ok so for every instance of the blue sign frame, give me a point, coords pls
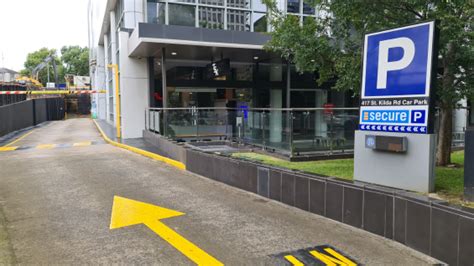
(398, 62)
(398, 79)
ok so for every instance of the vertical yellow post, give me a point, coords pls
(117, 99)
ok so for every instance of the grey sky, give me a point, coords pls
(28, 25)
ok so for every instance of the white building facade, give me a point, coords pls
(164, 50)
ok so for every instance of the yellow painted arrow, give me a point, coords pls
(126, 212)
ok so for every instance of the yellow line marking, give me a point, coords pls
(127, 212)
(5, 148)
(324, 258)
(20, 138)
(340, 257)
(82, 144)
(293, 260)
(148, 154)
(45, 146)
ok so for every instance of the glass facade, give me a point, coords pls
(238, 15)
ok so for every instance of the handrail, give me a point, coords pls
(250, 109)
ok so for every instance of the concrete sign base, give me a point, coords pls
(412, 170)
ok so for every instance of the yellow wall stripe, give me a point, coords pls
(148, 154)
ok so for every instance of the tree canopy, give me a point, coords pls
(75, 60)
(331, 44)
(37, 57)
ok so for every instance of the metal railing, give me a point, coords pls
(292, 131)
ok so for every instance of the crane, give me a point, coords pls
(49, 58)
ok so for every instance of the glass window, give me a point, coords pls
(308, 8)
(238, 3)
(211, 18)
(293, 6)
(259, 21)
(238, 20)
(212, 2)
(156, 12)
(243, 72)
(257, 5)
(182, 15)
(182, 1)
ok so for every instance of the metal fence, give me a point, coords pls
(293, 131)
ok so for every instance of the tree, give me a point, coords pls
(35, 58)
(331, 45)
(75, 60)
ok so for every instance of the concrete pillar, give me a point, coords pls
(468, 166)
(134, 90)
(276, 116)
(276, 101)
(100, 84)
(109, 92)
(163, 78)
(321, 126)
(133, 12)
(113, 45)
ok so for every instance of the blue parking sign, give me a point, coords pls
(397, 62)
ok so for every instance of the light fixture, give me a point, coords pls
(255, 57)
(174, 53)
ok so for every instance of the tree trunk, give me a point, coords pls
(443, 155)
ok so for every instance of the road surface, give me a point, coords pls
(55, 208)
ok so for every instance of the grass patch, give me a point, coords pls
(449, 183)
(336, 168)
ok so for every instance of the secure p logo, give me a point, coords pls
(397, 62)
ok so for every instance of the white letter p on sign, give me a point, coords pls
(384, 66)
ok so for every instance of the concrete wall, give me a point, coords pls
(134, 91)
(166, 147)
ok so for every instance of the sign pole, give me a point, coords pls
(469, 167)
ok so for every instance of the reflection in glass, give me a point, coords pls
(238, 3)
(211, 18)
(212, 2)
(182, 1)
(307, 8)
(156, 12)
(293, 6)
(238, 20)
(259, 21)
(182, 15)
